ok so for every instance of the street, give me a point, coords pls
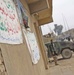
(65, 67)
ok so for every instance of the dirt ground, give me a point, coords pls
(65, 67)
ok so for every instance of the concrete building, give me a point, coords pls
(16, 58)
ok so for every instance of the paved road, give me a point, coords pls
(65, 67)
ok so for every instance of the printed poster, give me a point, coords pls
(10, 30)
(32, 46)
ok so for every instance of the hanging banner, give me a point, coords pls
(32, 46)
(10, 30)
(18, 8)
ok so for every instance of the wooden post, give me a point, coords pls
(41, 44)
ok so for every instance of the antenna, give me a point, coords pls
(65, 21)
(50, 29)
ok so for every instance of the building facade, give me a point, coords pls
(17, 59)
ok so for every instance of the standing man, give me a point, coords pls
(53, 52)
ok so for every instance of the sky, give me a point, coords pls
(63, 14)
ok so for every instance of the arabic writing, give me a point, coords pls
(32, 46)
(9, 24)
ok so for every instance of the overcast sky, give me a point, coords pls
(63, 13)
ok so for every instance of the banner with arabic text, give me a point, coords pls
(32, 46)
(10, 30)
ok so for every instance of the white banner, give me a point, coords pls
(32, 46)
(10, 30)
